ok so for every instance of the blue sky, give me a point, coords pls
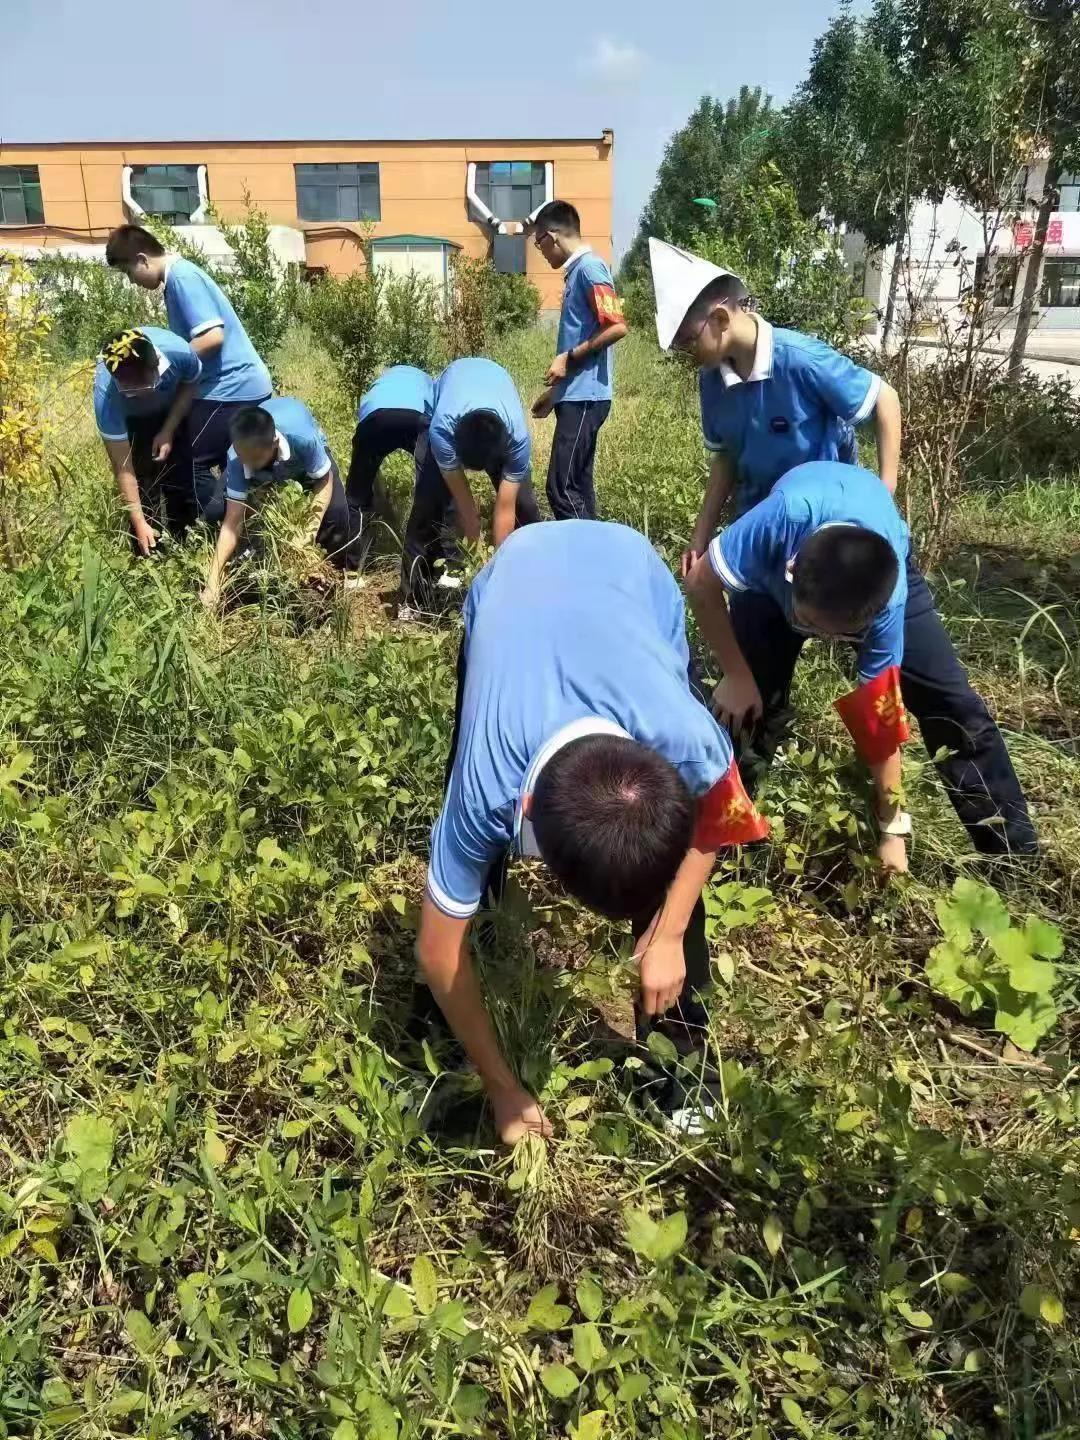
(260, 69)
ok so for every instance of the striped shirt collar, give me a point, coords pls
(569, 264)
(762, 367)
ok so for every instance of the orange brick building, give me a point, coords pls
(418, 199)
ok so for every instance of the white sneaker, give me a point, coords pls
(448, 582)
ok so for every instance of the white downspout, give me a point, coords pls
(133, 206)
(198, 215)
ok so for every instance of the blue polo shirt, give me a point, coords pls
(402, 387)
(571, 629)
(301, 452)
(757, 551)
(177, 363)
(478, 384)
(589, 302)
(799, 404)
(194, 304)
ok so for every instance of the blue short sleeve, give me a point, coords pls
(845, 389)
(236, 482)
(745, 555)
(442, 447)
(195, 303)
(108, 407)
(710, 397)
(519, 461)
(461, 856)
(187, 365)
(314, 456)
(883, 644)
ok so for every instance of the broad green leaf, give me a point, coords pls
(918, 1318)
(974, 1361)
(590, 1299)
(216, 1151)
(425, 1285)
(88, 1139)
(470, 1402)
(953, 1283)
(802, 1217)
(382, 1419)
(1032, 976)
(545, 1313)
(670, 1237)
(773, 1231)
(981, 906)
(641, 1231)
(801, 1360)
(632, 1388)
(590, 1426)
(1038, 1303)
(851, 1120)
(589, 1350)
(1024, 1018)
(125, 1402)
(793, 1414)
(398, 1304)
(1044, 939)
(143, 1335)
(725, 965)
(299, 1309)
(557, 1380)
(345, 1430)
(662, 1048)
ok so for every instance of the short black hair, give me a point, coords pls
(252, 424)
(558, 215)
(724, 290)
(128, 354)
(846, 572)
(128, 242)
(481, 440)
(613, 821)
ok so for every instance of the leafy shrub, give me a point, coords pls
(343, 313)
(411, 318)
(86, 302)
(255, 283)
(484, 304)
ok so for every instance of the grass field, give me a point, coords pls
(235, 1199)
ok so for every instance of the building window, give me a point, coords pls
(349, 191)
(1061, 283)
(511, 189)
(20, 195)
(1069, 185)
(168, 191)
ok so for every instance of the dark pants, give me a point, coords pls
(570, 489)
(686, 1021)
(208, 426)
(342, 532)
(377, 436)
(429, 534)
(165, 488)
(977, 773)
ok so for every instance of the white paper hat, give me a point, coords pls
(678, 279)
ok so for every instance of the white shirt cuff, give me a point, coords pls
(205, 325)
(721, 568)
(456, 909)
(869, 401)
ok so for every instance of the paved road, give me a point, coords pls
(1044, 369)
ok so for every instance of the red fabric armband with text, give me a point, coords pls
(875, 716)
(607, 305)
(727, 816)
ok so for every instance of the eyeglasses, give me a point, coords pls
(686, 343)
(540, 238)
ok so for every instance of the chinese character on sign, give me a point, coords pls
(1054, 232)
(1022, 234)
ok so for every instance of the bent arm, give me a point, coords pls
(708, 601)
(888, 427)
(444, 959)
(467, 514)
(120, 458)
(320, 503)
(209, 342)
(182, 403)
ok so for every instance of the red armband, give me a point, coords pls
(727, 816)
(607, 305)
(875, 716)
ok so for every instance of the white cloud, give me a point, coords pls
(615, 60)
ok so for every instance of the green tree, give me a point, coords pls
(847, 140)
(256, 281)
(709, 157)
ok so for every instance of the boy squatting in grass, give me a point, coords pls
(577, 738)
(233, 377)
(826, 553)
(578, 382)
(144, 386)
(392, 415)
(477, 423)
(272, 443)
(771, 399)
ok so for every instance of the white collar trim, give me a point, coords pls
(283, 453)
(524, 837)
(574, 258)
(762, 367)
(170, 261)
(163, 362)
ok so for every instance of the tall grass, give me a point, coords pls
(237, 1198)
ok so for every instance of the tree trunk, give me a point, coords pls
(894, 284)
(1034, 269)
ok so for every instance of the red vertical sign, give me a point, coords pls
(1055, 232)
(1022, 234)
